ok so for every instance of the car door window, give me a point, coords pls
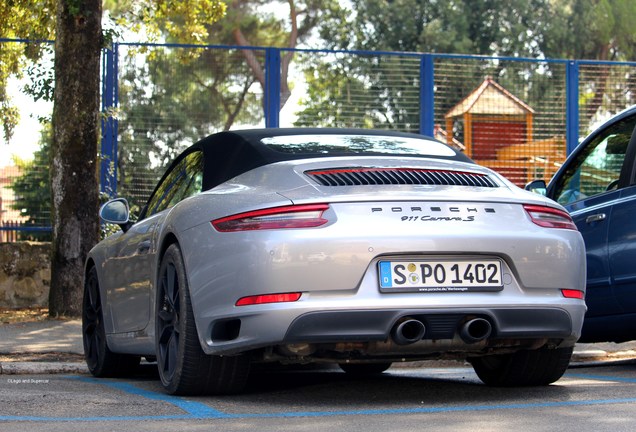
(185, 180)
(597, 168)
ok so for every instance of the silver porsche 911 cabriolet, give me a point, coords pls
(353, 247)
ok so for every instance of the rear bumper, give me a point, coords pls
(361, 326)
(508, 326)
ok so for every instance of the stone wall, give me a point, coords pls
(25, 274)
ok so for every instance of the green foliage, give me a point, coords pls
(594, 29)
(162, 114)
(364, 91)
(41, 82)
(32, 189)
(178, 96)
(183, 21)
(591, 29)
(385, 89)
(74, 7)
(492, 27)
(330, 111)
(25, 19)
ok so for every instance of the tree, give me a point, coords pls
(380, 90)
(514, 28)
(213, 82)
(160, 115)
(76, 125)
(487, 27)
(606, 29)
(248, 28)
(76, 130)
(76, 119)
(216, 89)
(594, 30)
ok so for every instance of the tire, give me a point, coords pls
(101, 361)
(184, 368)
(523, 368)
(364, 368)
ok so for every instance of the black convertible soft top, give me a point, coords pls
(228, 154)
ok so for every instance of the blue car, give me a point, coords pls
(597, 185)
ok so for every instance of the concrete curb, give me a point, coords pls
(52, 367)
(42, 368)
(591, 355)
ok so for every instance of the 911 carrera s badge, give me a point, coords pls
(436, 213)
(428, 218)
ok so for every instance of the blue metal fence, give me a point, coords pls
(566, 108)
(420, 92)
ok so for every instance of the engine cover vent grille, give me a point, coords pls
(399, 176)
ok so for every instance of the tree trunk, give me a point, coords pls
(76, 130)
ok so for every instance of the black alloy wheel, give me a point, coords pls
(101, 361)
(184, 368)
(168, 328)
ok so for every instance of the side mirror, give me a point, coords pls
(116, 212)
(537, 186)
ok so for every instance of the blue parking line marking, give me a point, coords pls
(419, 410)
(196, 411)
(602, 378)
(192, 408)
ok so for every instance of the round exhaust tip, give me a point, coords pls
(408, 331)
(475, 330)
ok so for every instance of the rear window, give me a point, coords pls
(357, 144)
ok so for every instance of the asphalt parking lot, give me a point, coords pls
(591, 396)
(596, 394)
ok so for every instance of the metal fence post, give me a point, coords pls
(108, 166)
(572, 106)
(272, 87)
(427, 95)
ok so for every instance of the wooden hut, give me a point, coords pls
(493, 118)
(498, 133)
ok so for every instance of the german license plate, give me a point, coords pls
(441, 276)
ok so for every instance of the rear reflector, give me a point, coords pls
(549, 217)
(299, 216)
(268, 298)
(575, 294)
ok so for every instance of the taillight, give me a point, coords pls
(268, 298)
(299, 216)
(549, 217)
(575, 294)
